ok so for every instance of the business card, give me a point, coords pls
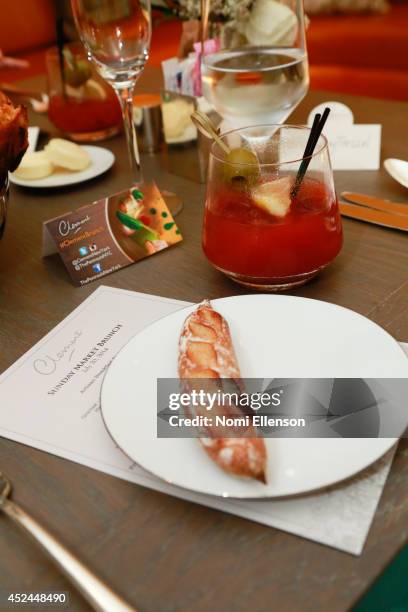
(111, 233)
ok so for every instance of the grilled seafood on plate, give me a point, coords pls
(206, 352)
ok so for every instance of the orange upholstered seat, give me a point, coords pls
(360, 54)
(26, 25)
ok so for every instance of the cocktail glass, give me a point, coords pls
(82, 105)
(256, 230)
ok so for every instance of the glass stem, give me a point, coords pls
(125, 96)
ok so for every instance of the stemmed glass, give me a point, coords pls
(116, 35)
(261, 72)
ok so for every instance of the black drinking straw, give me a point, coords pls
(315, 132)
(59, 27)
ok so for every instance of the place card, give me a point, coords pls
(111, 233)
(352, 146)
(54, 390)
(33, 136)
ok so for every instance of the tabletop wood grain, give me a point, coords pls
(161, 553)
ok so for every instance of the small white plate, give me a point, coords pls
(101, 160)
(274, 336)
(398, 169)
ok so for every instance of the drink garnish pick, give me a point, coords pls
(315, 132)
(204, 124)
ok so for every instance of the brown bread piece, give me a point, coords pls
(13, 134)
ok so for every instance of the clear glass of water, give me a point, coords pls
(261, 72)
(116, 35)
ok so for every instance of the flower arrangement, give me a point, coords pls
(220, 10)
(238, 22)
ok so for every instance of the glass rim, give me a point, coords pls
(280, 126)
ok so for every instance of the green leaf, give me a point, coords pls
(137, 194)
(137, 225)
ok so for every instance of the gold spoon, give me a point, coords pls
(206, 127)
(96, 592)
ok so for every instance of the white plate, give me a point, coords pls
(398, 169)
(274, 336)
(102, 160)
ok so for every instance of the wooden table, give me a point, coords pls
(162, 553)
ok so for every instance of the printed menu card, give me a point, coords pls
(54, 393)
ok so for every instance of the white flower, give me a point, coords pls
(222, 10)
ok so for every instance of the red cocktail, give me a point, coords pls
(86, 119)
(256, 230)
(82, 105)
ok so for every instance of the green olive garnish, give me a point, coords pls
(75, 77)
(77, 71)
(241, 165)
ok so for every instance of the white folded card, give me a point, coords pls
(352, 146)
(44, 407)
(33, 135)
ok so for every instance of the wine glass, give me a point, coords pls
(260, 74)
(116, 35)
